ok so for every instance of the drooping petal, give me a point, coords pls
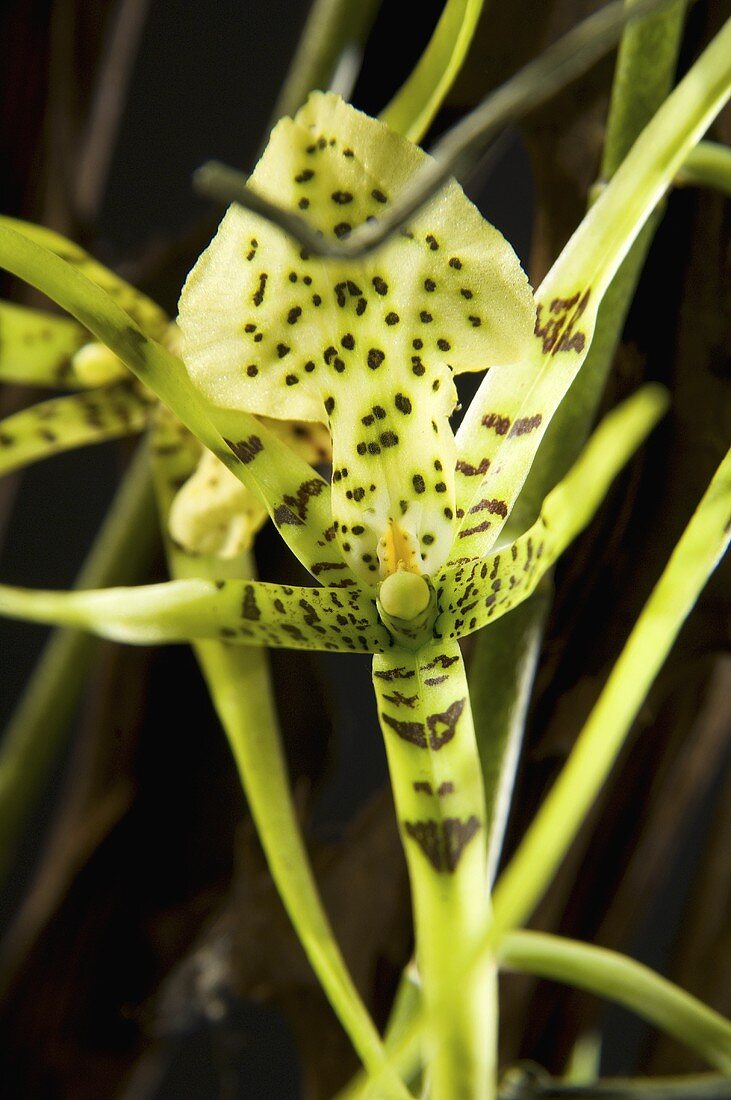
(238, 612)
(367, 347)
(64, 423)
(37, 348)
(214, 513)
(474, 593)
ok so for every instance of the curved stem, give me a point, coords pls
(425, 715)
(708, 165)
(626, 982)
(413, 108)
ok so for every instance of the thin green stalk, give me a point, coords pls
(626, 982)
(520, 1085)
(334, 28)
(709, 165)
(424, 710)
(240, 688)
(35, 735)
(561, 815)
(414, 106)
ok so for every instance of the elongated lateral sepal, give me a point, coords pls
(77, 420)
(474, 593)
(238, 612)
(424, 711)
(505, 423)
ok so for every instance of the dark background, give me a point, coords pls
(140, 859)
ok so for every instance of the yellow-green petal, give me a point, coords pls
(369, 346)
(37, 348)
(473, 594)
(64, 423)
(238, 612)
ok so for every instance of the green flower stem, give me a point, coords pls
(425, 716)
(238, 681)
(529, 872)
(64, 423)
(240, 688)
(707, 1086)
(36, 731)
(599, 743)
(332, 28)
(626, 982)
(708, 165)
(646, 61)
(414, 106)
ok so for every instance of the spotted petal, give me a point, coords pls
(37, 348)
(366, 346)
(239, 612)
(473, 593)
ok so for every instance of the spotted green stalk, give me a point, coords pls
(63, 423)
(37, 348)
(424, 711)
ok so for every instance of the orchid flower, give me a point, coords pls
(404, 541)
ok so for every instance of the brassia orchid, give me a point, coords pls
(290, 360)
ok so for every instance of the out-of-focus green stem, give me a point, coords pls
(34, 737)
(623, 981)
(239, 683)
(333, 28)
(413, 108)
(709, 165)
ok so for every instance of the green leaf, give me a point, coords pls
(505, 423)
(37, 348)
(511, 574)
(238, 612)
(64, 423)
(414, 106)
(289, 487)
(365, 347)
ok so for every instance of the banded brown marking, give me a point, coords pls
(443, 842)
